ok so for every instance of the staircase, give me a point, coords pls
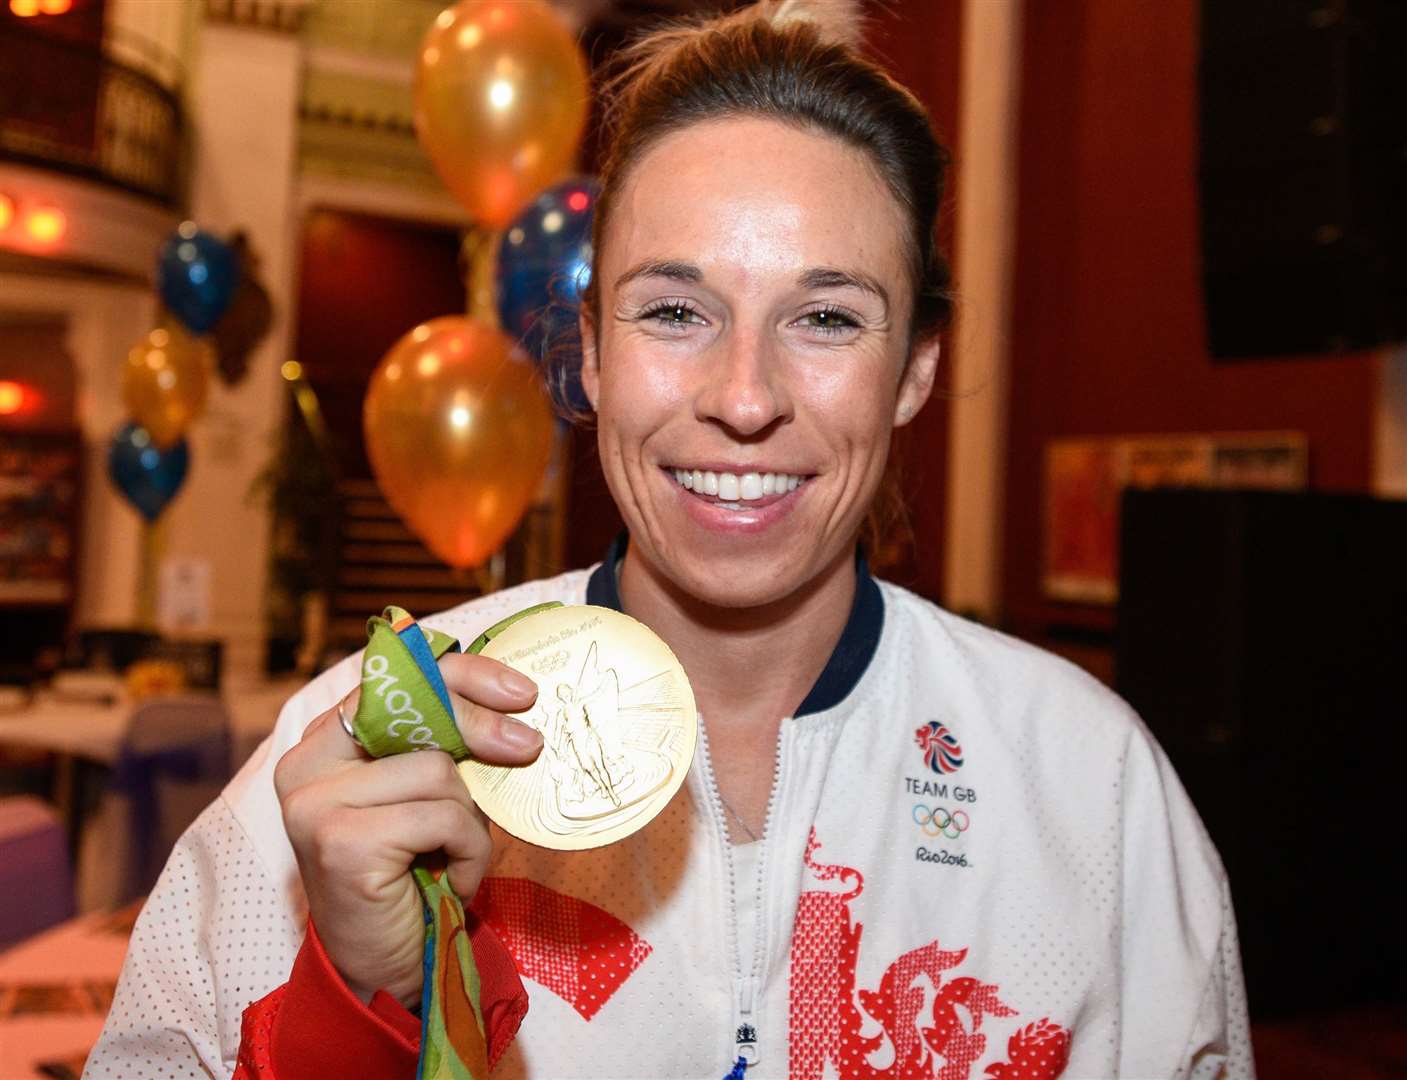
(380, 562)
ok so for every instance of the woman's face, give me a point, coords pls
(754, 325)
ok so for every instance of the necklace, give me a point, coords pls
(731, 812)
(736, 816)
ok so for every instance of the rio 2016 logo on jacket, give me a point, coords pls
(941, 751)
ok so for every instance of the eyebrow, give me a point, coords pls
(830, 277)
(818, 277)
(666, 268)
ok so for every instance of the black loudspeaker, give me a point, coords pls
(1303, 172)
(1263, 637)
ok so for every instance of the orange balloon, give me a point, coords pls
(459, 434)
(164, 383)
(501, 95)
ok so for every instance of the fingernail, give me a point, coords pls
(515, 682)
(519, 735)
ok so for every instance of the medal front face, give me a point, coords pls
(618, 725)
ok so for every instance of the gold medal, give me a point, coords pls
(618, 725)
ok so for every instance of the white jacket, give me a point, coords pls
(977, 864)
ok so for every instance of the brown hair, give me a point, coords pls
(796, 63)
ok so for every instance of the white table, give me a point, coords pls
(95, 731)
(83, 731)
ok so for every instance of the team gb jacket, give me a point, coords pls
(977, 865)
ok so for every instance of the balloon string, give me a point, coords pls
(153, 535)
(481, 279)
(493, 575)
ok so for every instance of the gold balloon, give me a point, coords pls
(164, 382)
(458, 432)
(500, 101)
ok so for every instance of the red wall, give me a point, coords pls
(920, 41)
(1108, 333)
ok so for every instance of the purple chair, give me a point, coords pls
(36, 879)
(173, 763)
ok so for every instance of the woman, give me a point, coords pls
(909, 846)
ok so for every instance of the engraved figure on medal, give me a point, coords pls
(587, 717)
(605, 758)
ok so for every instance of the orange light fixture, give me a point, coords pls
(7, 211)
(55, 7)
(12, 397)
(25, 8)
(45, 224)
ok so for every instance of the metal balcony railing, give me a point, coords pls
(66, 105)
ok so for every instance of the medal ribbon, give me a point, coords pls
(406, 706)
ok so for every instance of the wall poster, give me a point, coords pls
(1084, 480)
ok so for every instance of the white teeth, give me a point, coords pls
(734, 489)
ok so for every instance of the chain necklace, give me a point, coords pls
(735, 815)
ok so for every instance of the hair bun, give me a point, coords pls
(837, 21)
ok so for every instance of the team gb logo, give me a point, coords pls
(941, 751)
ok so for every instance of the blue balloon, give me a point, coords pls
(196, 275)
(147, 476)
(544, 264)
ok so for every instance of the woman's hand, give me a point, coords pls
(356, 823)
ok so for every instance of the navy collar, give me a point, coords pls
(848, 661)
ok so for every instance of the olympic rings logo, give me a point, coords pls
(938, 822)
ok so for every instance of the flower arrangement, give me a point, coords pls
(152, 678)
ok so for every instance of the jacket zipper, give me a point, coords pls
(743, 1037)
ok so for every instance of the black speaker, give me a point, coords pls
(1263, 637)
(1303, 175)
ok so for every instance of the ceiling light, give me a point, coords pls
(12, 397)
(45, 224)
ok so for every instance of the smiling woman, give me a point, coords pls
(739, 330)
(764, 311)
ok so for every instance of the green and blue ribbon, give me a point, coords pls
(405, 706)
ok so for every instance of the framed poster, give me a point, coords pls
(1084, 480)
